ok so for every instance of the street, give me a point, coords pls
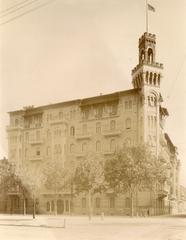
(80, 228)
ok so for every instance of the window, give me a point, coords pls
(72, 148)
(98, 202)
(52, 206)
(72, 131)
(150, 55)
(16, 122)
(84, 203)
(26, 152)
(27, 137)
(48, 135)
(127, 202)
(130, 104)
(98, 127)
(38, 153)
(84, 147)
(84, 128)
(128, 123)
(48, 206)
(112, 145)
(60, 115)
(98, 146)
(113, 125)
(67, 206)
(38, 135)
(126, 105)
(48, 151)
(113, 109)
(112, 202)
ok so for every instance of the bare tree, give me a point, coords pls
(132, 169)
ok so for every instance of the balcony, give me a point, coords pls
(111, 133)
(80, 154)
(107, 153)
(36, 141)
(83, 136)
(14, 128)
(36, 158)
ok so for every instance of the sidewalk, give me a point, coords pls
(28, 221)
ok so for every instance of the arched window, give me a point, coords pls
(128, 123)
(112, 125)
(84, 147)
(98, 127)
(150, 55)
(98, 146)
(112, 145)
(72, 131)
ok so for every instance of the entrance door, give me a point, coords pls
(60, 206)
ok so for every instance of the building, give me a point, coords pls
(68, 130)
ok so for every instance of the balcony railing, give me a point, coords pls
(83, 136)
(36, 158)
(110, 133)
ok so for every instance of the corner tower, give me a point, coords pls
(147, 77)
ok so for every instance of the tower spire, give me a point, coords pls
(147, 17)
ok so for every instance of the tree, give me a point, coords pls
(89, 177)
(32, 179)
(132, 169)
(56, 178)
(10, 181)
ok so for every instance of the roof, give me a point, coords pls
(172, 147)
(80, 102)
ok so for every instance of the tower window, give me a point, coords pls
(142, 57)
(150, 56)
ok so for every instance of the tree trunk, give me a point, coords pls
(34, 208)
(89, 204)
(24, 206)
(132, 204)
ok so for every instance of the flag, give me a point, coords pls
(151, 8)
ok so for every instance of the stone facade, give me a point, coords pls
(67, 131)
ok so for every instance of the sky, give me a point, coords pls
(70, 49)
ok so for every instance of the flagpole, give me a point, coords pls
(147, 16)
